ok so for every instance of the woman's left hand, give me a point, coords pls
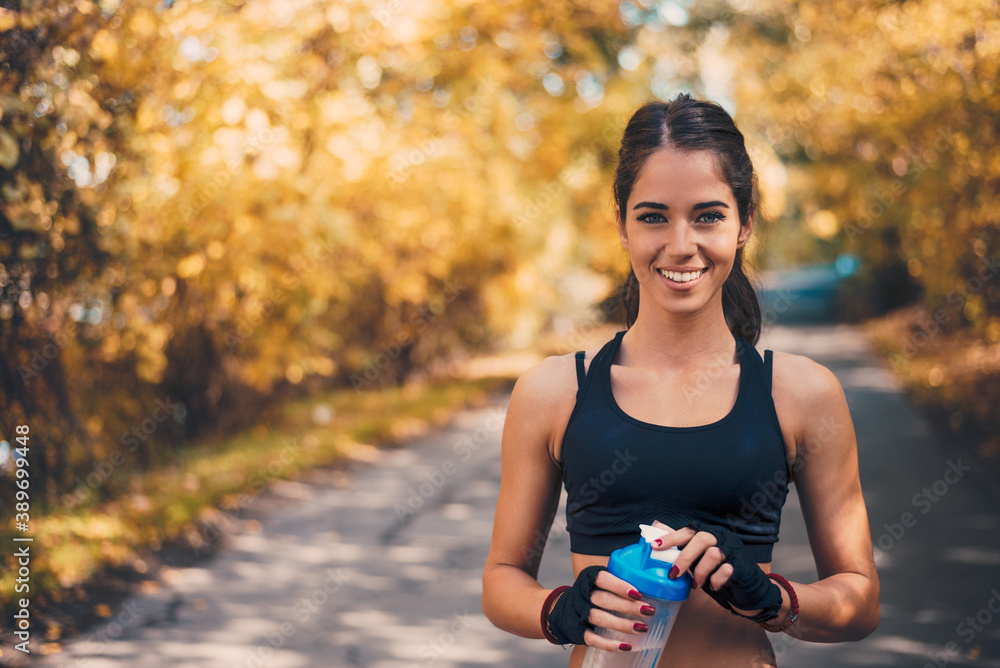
(715, 558)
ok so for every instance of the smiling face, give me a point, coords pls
(682, 230)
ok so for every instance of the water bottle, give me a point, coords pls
(647, 571)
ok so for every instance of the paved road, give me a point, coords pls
(343, 574)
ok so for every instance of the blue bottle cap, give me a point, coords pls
(634, 564)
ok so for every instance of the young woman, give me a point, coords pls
(678, 420)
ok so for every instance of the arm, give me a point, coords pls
(843, 604)
(529, 496)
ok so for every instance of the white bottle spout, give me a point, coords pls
(650, 534)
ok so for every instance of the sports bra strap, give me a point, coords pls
(580, 371)
(767, 370)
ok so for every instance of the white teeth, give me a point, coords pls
(682, 277)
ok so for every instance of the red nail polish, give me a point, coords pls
(647, 610)
(659, 542)
(639, 626)
(625, 647)
(633, 594)
(674, 572)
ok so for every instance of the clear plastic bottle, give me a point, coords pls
(647, 571)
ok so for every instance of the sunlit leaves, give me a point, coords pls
(886, 115)
(270, 191)
(226, 199)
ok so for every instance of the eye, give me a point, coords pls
(651, 217)
(711, 217)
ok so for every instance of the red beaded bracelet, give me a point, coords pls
(549, 600)
(794, 616)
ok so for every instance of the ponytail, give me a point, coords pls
(740, 303)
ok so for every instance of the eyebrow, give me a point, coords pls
(709, 205)
(664, 207)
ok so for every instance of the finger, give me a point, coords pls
(611, 601)
(607, 620)
(677, 538)
(591, 639)
(626, 606)
(614, 584)
(721, 576)
(692, 552)
(660, 543)
(710, 561)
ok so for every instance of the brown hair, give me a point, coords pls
(694, 125)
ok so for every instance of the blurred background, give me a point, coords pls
(226, 224)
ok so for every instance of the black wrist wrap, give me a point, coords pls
(749, 588)
(568, 618)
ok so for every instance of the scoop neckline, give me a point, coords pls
(610, 395)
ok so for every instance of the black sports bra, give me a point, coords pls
(619, 471)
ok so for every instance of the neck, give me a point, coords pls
(677, 340)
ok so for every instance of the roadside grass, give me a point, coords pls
(953, 377)
(207, 484)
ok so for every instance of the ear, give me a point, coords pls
(621, 227)
(745, 231)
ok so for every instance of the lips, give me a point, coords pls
(682, 276)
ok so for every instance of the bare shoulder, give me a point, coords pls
(804, 378)
(807, 395)
(548, 384)
(546, 393)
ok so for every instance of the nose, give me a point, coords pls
(681, 241)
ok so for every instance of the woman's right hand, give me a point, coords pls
(590, 602)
